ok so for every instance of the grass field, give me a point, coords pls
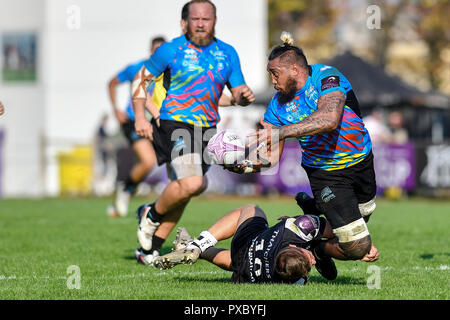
(40, 239)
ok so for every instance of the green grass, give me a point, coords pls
(40, 239)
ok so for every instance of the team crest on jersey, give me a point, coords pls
(220, 58)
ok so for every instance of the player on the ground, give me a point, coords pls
(141, 146)
(316, 105)
(281, 253)
(200, 66)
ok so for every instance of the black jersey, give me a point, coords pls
(258, 265)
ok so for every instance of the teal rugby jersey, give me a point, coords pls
(343, 147)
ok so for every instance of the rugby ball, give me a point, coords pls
(226, 148)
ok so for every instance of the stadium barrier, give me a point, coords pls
(76, 171)
(422, 169)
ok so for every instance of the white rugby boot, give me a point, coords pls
(147, 227)
(182, 239)
(187, 255)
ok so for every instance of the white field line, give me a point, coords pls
(199, 273)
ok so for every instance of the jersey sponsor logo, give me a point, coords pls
(329, 82)
(291, 106)
(190, 59)
(260, 258)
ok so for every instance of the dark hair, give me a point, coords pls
(199, 1)
(291, 264)
(158, 39)
(185, 11)
(289, 54)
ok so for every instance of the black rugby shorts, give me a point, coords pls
(173, 139)
(338, 192)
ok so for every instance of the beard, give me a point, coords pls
(289, 93)
(201, 41)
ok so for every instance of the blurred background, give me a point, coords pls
(58, 135)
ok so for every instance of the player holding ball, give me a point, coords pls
(316, 105)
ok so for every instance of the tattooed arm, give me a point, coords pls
(326, 118)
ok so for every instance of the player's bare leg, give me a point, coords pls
(203, 246)
(178, 192)
(147, 159)
(170, 220)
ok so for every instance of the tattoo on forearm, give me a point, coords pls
(327, 117)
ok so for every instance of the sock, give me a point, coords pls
(153, 214)
(205, 241)
(157, 243)
(130, 185)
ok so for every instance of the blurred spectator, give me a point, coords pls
(378, 130)
(399, 134)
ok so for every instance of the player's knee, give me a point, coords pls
(147, 164)
(192, 186)
(203, 186)
(367, 209)
(354, 239)
(357, 249)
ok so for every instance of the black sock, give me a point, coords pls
(157, 243)
(154, 215)
(130, 185)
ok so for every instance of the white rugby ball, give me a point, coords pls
(225, 148)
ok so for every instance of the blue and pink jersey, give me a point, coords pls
(198, 76)
(343, 147)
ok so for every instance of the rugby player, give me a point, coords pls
(199, 67)
(316, 105)
(141, 146)
(281, 253)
